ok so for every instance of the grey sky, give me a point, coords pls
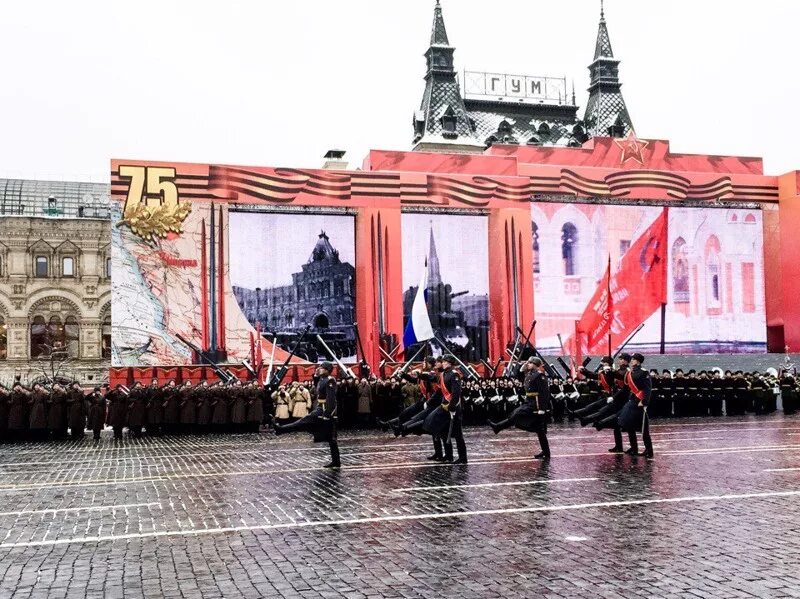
(278, 83)
(271, 247)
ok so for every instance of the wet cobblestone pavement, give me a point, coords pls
(716, 514)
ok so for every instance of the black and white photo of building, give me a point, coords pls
(292, 272)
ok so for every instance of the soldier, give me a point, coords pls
(97, 412)
(5, 396)
(219, 408)
(76, 411)
(412, 420)
(203, 399)
(136, 409)
(788, 392)
(17, 411)
(532, 414)
(155, 409)
(281, 399)
(238, 407)
(37, 412)
(171, 404)
(117, 410)
(187, 408)
(364, 409)
(603, 413)
(57, 412)
(634, 415)
(321, 421)
(255, 407)
(445, 422)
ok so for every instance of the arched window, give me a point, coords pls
(67, 266)
(72, 337)
(106, 340)
(750, 219)
(55, 334)
(536, 265)
(40, 345)
(41, 267)
(680, 272)
(3, 338)
(713, 274)
(569, 247)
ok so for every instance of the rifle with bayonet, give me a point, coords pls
(224, 375)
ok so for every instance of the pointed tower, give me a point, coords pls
(442, 122)
(434, 274)
(606, 113)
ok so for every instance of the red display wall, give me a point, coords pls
(500, 184)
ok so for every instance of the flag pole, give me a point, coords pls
(663, 347)
(608, 303)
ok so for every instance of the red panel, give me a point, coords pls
(142, 375)
(120, 376)
(193, 373)
(167, 374)
(789, 187)
(430, 162)
(604, 152)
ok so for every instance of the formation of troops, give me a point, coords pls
(59, 411)
(436, 399)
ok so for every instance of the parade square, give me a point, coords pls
(716, 515)
(399, 300)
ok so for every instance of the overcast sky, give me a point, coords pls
(278, 83)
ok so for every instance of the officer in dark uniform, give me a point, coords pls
(136, 409)
(97, 413)
(413, 418)
(614, 395)
(445, 422)
(117, 410)
(532, 414)
(321, 420)
(634, 415)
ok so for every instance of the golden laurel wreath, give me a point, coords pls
(150, 222)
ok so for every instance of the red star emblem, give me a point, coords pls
(632, 148)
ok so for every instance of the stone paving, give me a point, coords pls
(716, 514)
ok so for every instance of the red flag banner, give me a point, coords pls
(625, 300)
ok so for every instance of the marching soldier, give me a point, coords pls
(613, 397)
(634, 415)
(532, 414)
(321, 421)
(445, 422)
(17, 411)
(414, 416)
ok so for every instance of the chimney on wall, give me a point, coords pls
(334, 160)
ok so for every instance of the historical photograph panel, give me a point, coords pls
(454, 250)
(296, 272)
(714, 292)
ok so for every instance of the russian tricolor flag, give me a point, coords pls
(419, 325)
